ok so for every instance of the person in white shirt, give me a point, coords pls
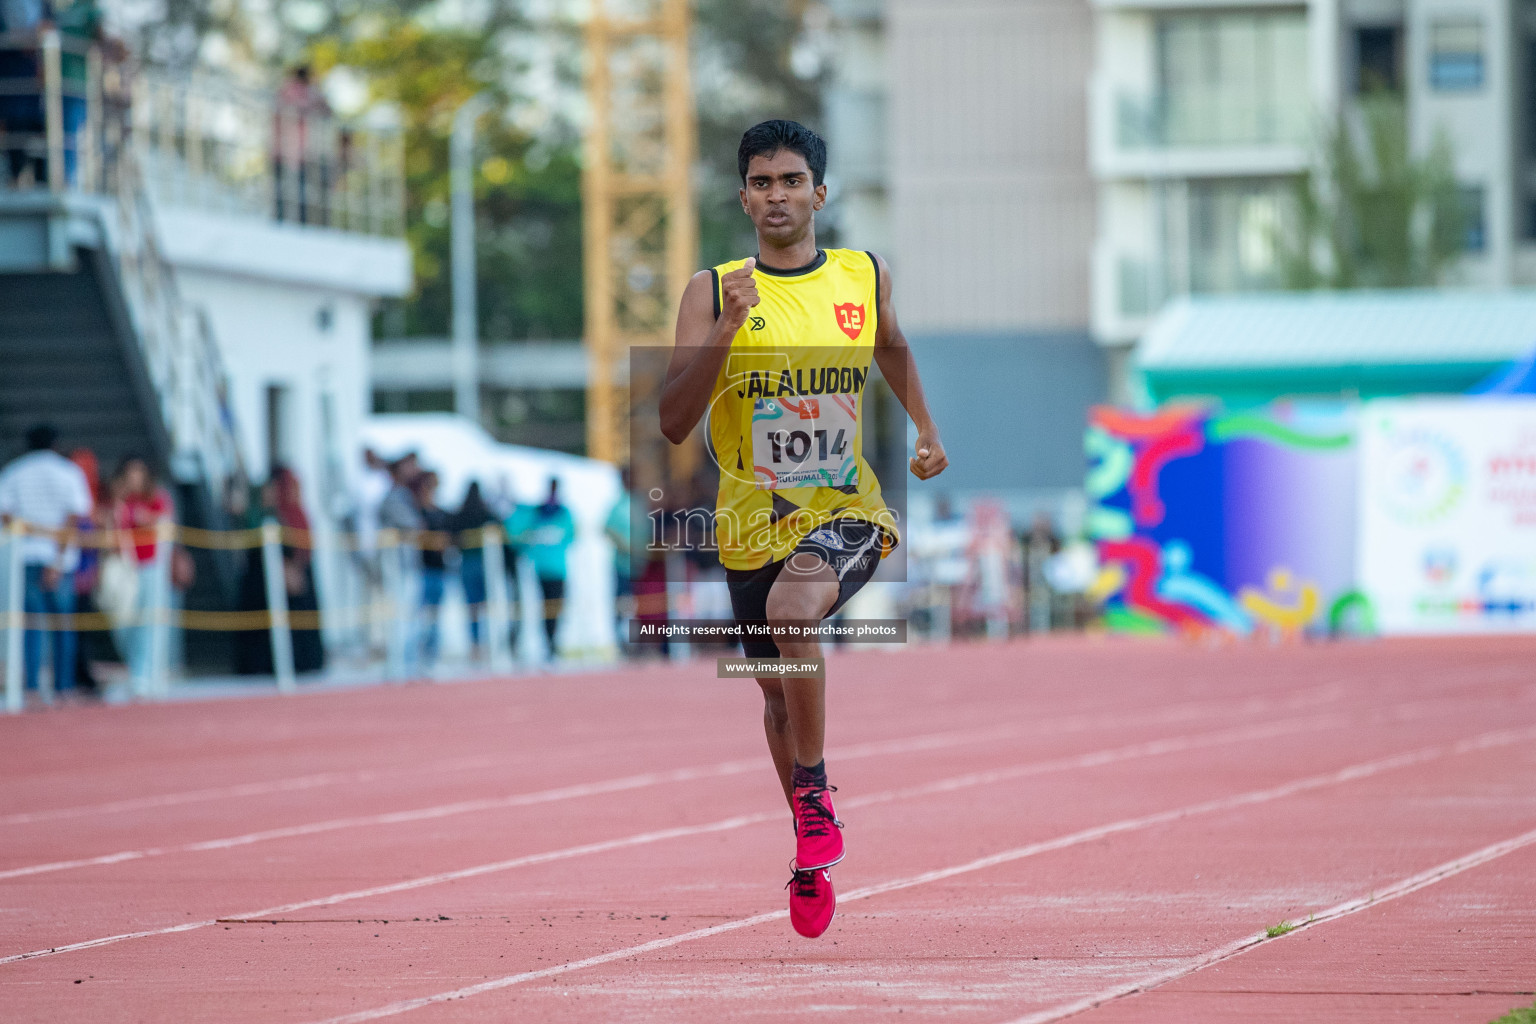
(373, 486)
(50, 495)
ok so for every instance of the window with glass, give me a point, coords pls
(1456, 54)
(1234, 235)
(1232, 78)
(1378, 59)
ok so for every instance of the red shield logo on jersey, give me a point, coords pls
(850, 318)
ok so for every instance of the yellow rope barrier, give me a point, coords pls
(250, 537)
(261, 618)
(252, 620)
(219, 540)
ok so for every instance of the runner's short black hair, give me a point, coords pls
(768, 137)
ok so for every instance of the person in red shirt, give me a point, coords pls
(139, 505)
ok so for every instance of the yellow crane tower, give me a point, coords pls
(639, 227)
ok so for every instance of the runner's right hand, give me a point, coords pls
(738, 295)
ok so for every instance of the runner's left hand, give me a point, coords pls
(930, 460)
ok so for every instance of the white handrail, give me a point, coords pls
(182, 358)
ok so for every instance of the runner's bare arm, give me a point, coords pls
(899, 369)
(702, 345)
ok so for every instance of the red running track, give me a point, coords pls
(1038, 830)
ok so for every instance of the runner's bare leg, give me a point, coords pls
(781, 739)
(805, 590)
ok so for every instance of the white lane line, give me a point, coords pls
(398, 817)
(1402, 887)
(1314, 782)
(1315, 696)
(932, 741)
(247, 789)
(1092, 759)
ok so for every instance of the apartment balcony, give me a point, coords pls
(1220, 134)
(1127, 291)
(1200, 5)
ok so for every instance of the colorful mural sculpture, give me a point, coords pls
(1209, 521)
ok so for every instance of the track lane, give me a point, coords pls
(442, 1004)
(78, 756)
(384, 806)
(730, 886)
(922, 785)
(911, 946)
(1456, 979)
(927, 879)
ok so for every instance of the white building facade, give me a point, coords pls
(290, 307)
(284, 227)
(1204, 115)
(958, 137)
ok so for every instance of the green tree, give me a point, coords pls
(414, 55)
(743, 74)
(527, 188)
(1376, 216)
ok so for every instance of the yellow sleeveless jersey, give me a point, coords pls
(786, 417)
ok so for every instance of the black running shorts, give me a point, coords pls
(852, 547)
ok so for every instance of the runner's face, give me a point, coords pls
(780, 197)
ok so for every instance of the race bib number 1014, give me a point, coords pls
(805, 441)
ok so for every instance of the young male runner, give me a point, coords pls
(775, 349)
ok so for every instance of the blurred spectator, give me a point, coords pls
(950, 538)
(300, 171)
(505, 507)
(434, 566)
(21, 15)
(618, 528)
(547, 530)
(298, 566)
(281, 499)
(45, 490)
(21, 101)
(398, 563)
(1039, 544)
(398, 510)
(22, 109)
(373, 486)
(937, 567)
(89, 555)
(500, 499)
(650, 585)
(80, 21)
(994, 583)
(90, 645)
(473, 516)
(139, 505)
(253, 648)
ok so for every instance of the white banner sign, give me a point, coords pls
(1447, 510)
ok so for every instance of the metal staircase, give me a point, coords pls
(65, 362)
(94, 336)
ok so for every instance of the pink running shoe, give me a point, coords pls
(811, 902)
(818, 835)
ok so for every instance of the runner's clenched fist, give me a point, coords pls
(738, 295)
